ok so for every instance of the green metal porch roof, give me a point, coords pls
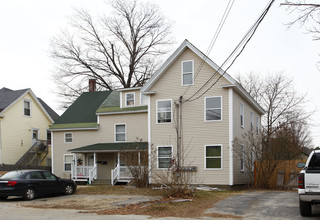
(111, 147)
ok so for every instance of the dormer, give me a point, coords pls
(132, 97)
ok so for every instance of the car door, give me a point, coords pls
(36, 180)
(52, 183)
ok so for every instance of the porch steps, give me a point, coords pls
(101, 182)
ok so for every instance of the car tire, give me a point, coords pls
(29, 194)
(68, 189)
(3, 197)
(305, 208)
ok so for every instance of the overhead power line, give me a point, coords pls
(241, 46)
(214, 39)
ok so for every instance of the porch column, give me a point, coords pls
(75, 174)
(95, 158)
(139, 158)
(118, 165)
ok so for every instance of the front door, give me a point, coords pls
(35, 135)
(90, 160)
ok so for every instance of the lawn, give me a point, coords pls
(176, 207)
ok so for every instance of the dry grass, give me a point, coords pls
(165, 207)
(168, 207)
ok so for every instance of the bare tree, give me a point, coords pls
(121, 50)
(276, 94)
(308, 15)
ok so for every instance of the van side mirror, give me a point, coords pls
(301, 164)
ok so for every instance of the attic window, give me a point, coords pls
(27, 108)
(187, 72)
(130, 99)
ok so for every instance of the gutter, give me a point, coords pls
(120, 112)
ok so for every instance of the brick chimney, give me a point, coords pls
(92, 85)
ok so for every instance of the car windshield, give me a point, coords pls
(12, 175)
(315, 162)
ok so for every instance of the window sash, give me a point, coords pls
(68, 138)
(68, 161)
(187, 72)
(213, 156)
(164, 156)
(213, 106)
(27, 108)
(121, 132)
(129, 99)
(164, 111)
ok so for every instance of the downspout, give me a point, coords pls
(0, 143)
(179, 132)
(231, 137)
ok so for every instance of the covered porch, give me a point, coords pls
(104, 161)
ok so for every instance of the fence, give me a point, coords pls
(284, 176)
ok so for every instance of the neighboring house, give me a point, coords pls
(24, 123)
(174, 115)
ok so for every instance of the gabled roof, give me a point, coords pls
(184, 45)
(8, 97)
(82, 111)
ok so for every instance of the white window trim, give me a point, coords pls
(205, 109)
(64, 162)
(64, 137)
(205, 157)
(242, 159)
(163, 157)
(157, 111)
(134, 99)
(242, 114)
(30, 102)
(182, 73)
(115, 132)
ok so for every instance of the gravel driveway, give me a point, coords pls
(263, 205)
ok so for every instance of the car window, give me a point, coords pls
(34, 176)
(12, 175)
(49, 176)
(315, 161)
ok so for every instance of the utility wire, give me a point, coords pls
(214, 39)
(245, 40)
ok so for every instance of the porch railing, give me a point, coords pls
(93, 174)
(115, 174)
(81, 172)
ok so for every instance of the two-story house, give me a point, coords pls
(190, 110)
(24, 123)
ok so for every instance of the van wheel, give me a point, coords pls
(305, 208)
(29, 194)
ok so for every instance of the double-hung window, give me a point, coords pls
(242, 159)
(164, 111)
(213, 108)
(68, 137)
(27, 108)
(130, 99)
(241, 114)
(187, 72)
(68, 161)
(120, 132)
(251, 122)
(258, 125)
(164, 156)
(213, 156)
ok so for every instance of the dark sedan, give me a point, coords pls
(32, 183)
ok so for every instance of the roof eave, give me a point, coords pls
(121, 112)
(246, 95)
(73, 129)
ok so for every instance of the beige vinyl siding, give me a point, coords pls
(16, 129)
(136, 127)
(241, 177)
(196, 132)
(136, 97)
